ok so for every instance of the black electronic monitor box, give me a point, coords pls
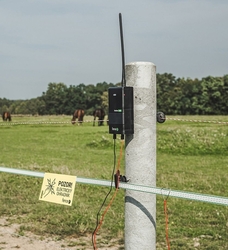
(121, 115)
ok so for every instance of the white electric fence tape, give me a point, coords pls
(42, 122)
(90, 121)
(140, 188)
(193, 120)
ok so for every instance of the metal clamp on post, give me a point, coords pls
(119, 178)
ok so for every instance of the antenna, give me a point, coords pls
(123, 82)
(120, 102)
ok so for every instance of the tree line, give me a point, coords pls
(175, 96)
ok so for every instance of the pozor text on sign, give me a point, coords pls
(64, 188)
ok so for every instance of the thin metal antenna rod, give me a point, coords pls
(122, 50)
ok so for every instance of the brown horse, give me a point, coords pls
(6, 116)
(78, 114)
(100, 113)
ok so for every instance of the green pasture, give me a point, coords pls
(191, 156)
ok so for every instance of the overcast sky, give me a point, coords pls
(78, 41)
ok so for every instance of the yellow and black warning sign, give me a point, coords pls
(58, 188)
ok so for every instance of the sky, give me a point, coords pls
(78, 41)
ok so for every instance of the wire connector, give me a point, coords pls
(119, 178)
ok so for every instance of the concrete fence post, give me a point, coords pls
(140, 159)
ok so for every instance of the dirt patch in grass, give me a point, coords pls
(12, 238)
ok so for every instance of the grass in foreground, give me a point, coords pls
(190, 156)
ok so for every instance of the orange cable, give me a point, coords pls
(120, 156)
(111, 201)
(166, 224)
(102, 218)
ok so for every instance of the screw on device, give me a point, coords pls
(161, 117)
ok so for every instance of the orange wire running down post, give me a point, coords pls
(111, 201)
(166, 224)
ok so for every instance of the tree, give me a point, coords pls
(104, 99)
(165, 85)
(174, 96)
(55, 98)
(212, 88)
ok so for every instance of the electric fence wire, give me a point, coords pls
(213, 199)
(195, 120)
(91, 121)
(43, 122)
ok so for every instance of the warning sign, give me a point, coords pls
(58, 188)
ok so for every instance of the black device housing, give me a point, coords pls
(121, 115)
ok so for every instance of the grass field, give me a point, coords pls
(191, 156)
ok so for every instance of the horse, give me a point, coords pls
(78, 114)
(6, 116)
(100, 113)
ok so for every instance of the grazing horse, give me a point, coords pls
(100, 113)
(78, 114)
(6, 116)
